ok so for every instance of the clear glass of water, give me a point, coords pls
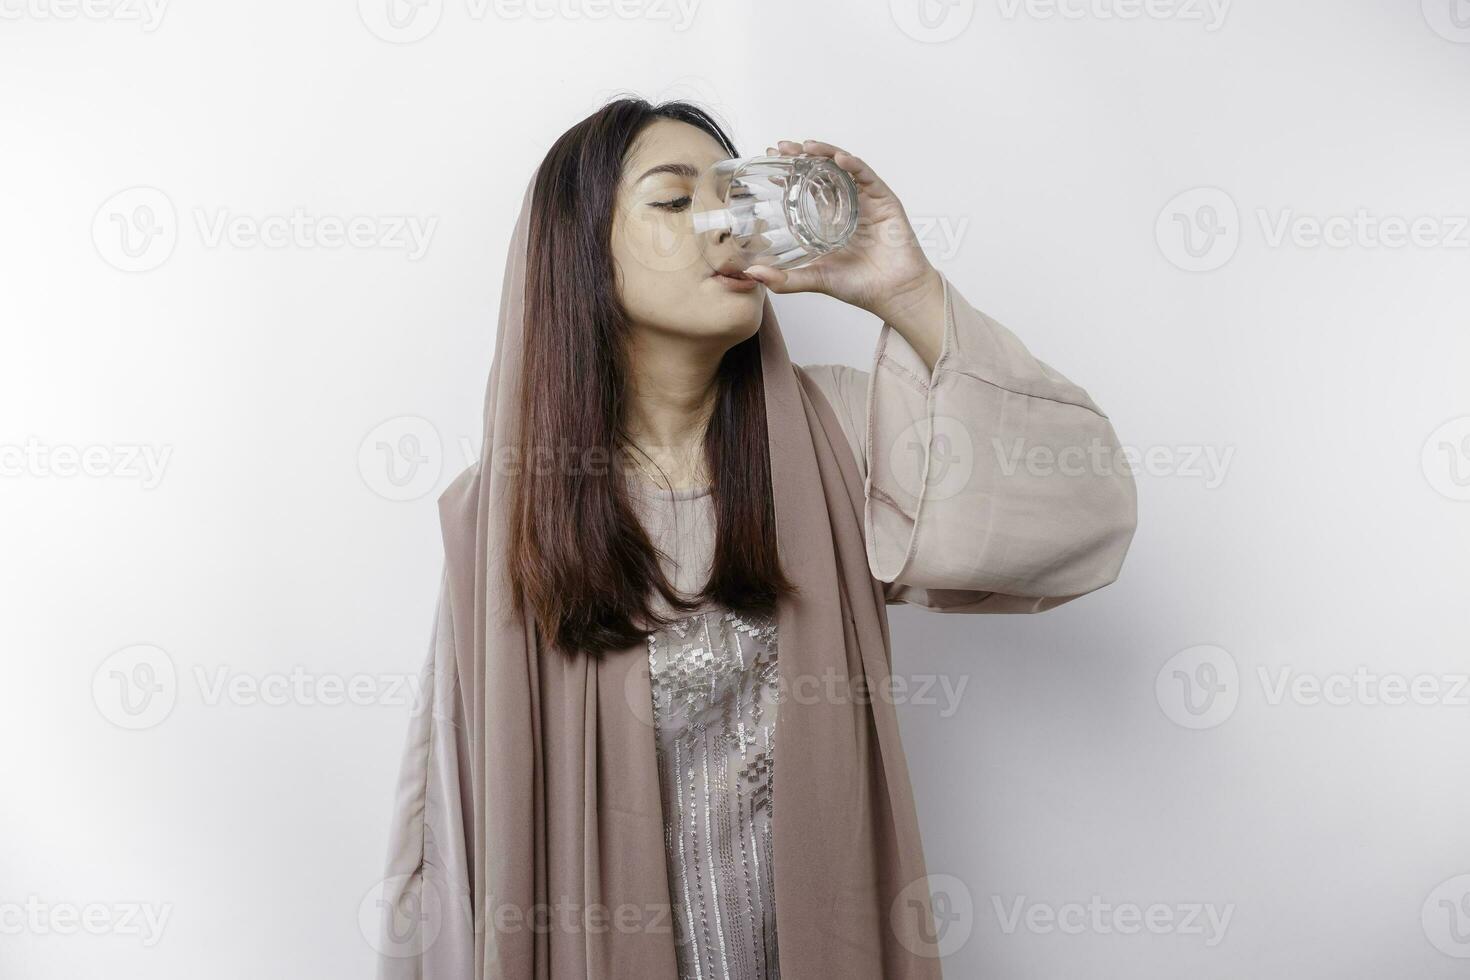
(779, 211)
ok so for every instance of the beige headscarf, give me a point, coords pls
(528, 832)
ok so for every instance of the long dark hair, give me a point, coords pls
(579, 556)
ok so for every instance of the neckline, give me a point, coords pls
(644, 485)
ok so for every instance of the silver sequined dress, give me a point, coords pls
(715, 697)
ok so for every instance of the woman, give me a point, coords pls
(666, 582)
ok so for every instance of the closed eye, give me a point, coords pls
(677, 204)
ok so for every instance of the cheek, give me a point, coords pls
(660, 243)
(660, 266)
(649, 297)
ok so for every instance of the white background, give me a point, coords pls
(1046, 150)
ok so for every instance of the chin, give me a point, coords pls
(744, 326)
(733, 317)
(730, 332)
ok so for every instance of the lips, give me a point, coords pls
(731, 270)
(732, 278)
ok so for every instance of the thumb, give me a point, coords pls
(803, 280)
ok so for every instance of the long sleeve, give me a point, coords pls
(992, 483)
(425, 927)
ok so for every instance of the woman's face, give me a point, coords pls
(666, 273)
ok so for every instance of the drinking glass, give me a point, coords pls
(781, 211)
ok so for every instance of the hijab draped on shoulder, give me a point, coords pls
(527, 838)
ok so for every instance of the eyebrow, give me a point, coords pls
(678, 169)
